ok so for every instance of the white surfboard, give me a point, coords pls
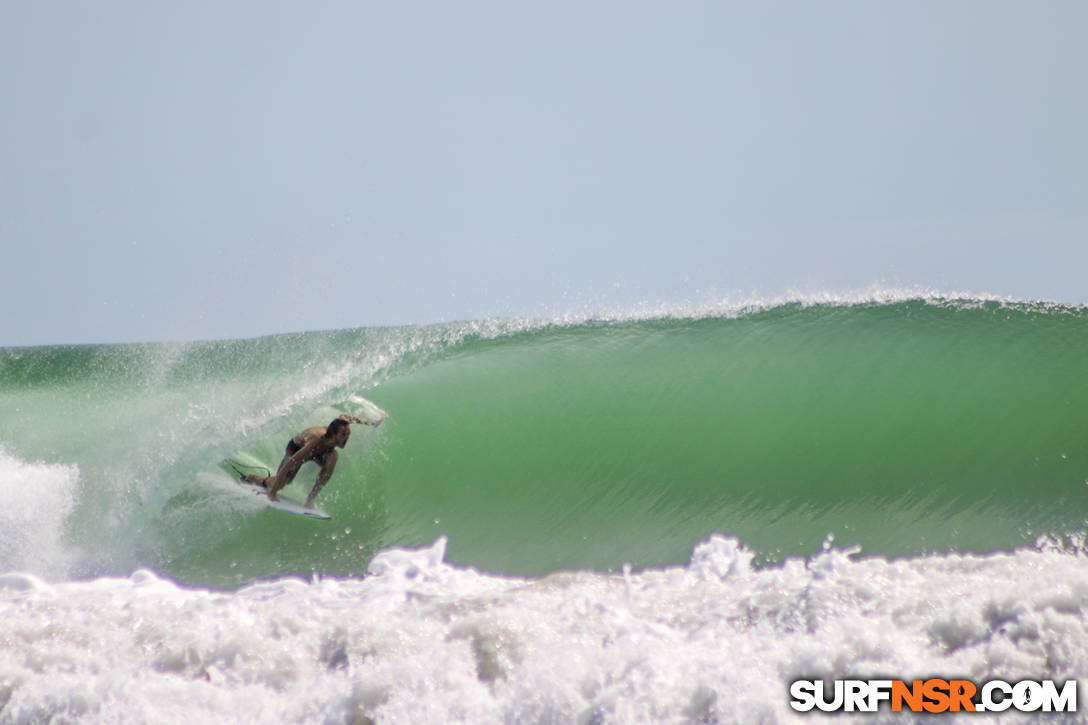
(284, 503)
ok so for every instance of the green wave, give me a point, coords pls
(903, 427)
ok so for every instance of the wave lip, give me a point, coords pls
(734, 306)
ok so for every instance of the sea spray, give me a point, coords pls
(37, 500)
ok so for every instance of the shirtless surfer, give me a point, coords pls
(317, 444)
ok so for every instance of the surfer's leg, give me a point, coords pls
(279, 476)
(250, 478)
(284, 476)
(256, 480)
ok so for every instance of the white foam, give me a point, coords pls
(36, 500)
(419, 640)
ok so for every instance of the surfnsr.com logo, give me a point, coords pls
(934, 695)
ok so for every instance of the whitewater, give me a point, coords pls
(658, 515)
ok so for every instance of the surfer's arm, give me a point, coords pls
(323, 477)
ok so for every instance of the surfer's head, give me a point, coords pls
(338, 432)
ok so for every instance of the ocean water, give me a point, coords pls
(661, 516)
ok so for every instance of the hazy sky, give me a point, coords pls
(193, 170)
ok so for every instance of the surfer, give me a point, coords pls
(317, 444)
